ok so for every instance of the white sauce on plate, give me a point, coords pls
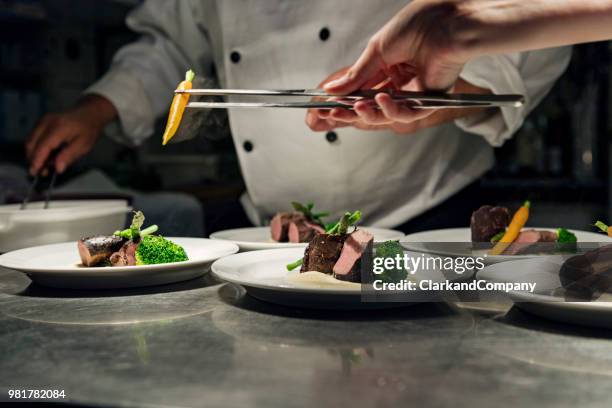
(320, 280)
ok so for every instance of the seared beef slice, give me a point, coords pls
(532, 242)
(302, 230)
(488, 221)
(293, 227)
(126, 256)
(322, 253)
(588, 275)
(356, 255)
(94, 250)
(279, 225)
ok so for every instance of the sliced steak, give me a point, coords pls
(322, 253)
(126, 255)
(548, 236)
(532, 241)
(98, 249)
(588, 275)
(302, 230)
(356, 254)
(279, 226)
(488, 221)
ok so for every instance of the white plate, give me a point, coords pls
(256, 238)
(264, 275)
(458, 242)
(57, 265)
(543, 302)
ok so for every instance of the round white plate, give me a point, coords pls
(57, 265)
(544, 271)
(256, 238)
(457, 242)
(264, 276)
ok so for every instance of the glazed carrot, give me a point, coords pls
(514, 229)
(179, 102)
(604, 228)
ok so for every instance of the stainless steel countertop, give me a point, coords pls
(199, 343)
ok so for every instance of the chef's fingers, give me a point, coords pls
(323, 113)
(380, 80)
(69, 154)
(343, 115)
(332, 124)
(314, 122)
(399, 112)
(316, 113)
(38, 131)
(368, 66)
(370, 115)
(320, 125)
(51, 140)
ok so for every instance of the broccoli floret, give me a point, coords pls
(155, 249)
(566, 241)
(390, 249)
(565, 236)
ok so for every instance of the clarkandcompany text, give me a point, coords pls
(446, 285)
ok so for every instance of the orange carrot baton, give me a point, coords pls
(179, 102)
(514, 229)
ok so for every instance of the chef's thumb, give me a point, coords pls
(367, 67)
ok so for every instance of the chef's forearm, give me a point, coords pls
(99, 109)
(504, 26)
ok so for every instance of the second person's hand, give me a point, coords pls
(76, 129)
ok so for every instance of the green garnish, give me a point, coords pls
(347, 220)
(295, 264)
(134, 230)
(307, 211)
(602, 226)
(497, 237)
(189, 75)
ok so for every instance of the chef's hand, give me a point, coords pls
(419, 43)
(391, 116)
(77, 129)
(429, 41)
(415, 51)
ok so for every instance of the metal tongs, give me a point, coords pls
(50, 166)
(416, 100)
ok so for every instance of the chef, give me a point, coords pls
(393, 174)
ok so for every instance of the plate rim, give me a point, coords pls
(309, 290)
(545, 299)
(231, 249)
(489, 259)
(518, 297)
(280, 245)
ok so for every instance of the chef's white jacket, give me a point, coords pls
(296, 44)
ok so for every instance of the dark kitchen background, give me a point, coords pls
(50, 50)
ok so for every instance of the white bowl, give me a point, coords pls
(62, 221)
